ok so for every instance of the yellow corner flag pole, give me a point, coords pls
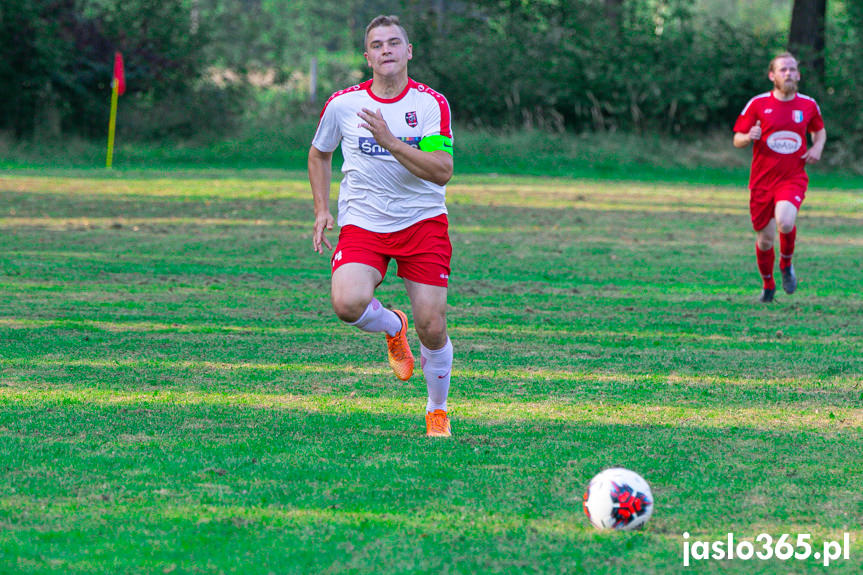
(118, 87)
(115, 93)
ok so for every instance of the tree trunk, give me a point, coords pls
(806, 39)
(614, 13)
(440, 8)
(47, 124)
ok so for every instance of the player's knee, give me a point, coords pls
(348, 309)
(431, 331)
(785, 227)
(764, 244)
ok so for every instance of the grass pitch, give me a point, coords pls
(177, 396)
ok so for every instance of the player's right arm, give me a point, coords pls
(320, 175)
(743, 139)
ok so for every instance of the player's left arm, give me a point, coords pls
(813, 154)
(434, 165)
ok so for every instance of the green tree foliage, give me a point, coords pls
(253, 34)
(264, 49)
(57, 58)
(655, 66)
(34, 58)
(640, 66)
(840, 96)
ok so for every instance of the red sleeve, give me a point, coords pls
(746, 119)
(817, 122)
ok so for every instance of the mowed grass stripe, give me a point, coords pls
(824, 417)
(514, 191)
(468, 331)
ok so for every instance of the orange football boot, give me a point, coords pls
(437, 424)
(399, 351)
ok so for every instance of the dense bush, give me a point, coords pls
(564, 64)
(661, 67)
(840, 96)
(56, 60)
(554, 65)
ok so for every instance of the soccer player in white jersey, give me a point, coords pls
(396, 140)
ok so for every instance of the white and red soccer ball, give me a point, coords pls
(618, 498)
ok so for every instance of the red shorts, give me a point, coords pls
(762, 202)
(422, 251)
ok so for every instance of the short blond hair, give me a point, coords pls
(382, 20)
(779, 57)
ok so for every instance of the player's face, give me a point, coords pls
(785, 75)
(387, 52)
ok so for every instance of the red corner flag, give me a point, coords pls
(119, 75)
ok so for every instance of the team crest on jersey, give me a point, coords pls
(411, 119)
(797, 115)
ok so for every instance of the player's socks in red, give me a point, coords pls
(766, 259)
(786, 247)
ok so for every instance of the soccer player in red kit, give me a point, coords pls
(396, 140)
(777, 124)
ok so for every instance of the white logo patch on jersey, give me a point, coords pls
(784, 142)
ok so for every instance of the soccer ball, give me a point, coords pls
(618, 498)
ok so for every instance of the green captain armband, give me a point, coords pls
(435, 143)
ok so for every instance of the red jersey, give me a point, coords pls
(776, 157)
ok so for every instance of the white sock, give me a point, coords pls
(377, 318)
(437, 365)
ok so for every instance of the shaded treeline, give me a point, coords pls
(211, 68)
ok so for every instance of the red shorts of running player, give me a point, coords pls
(762, 202)
(422, 251)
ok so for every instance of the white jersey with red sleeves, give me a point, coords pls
(378, 193)
(777, 156)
